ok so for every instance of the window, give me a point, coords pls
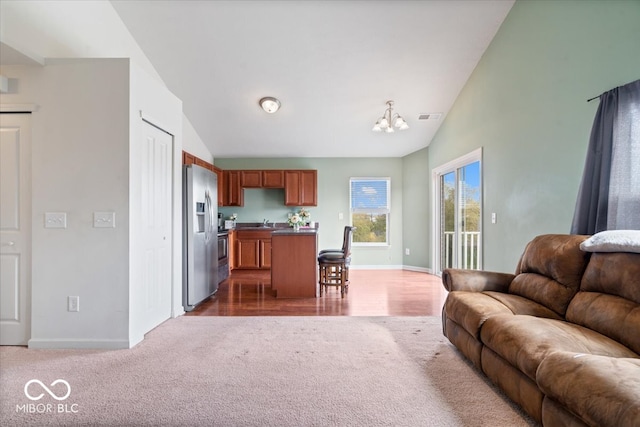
(370, 210)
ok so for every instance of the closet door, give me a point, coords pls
(15, 229)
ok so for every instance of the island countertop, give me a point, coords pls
(283, 231)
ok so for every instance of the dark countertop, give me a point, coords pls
(292, 231)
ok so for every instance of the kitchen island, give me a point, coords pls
(294, 272)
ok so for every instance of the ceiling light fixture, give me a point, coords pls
(270, 104)
(389, 121)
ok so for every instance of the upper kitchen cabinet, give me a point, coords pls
(220, 176)
(251, 179)
(272, 179)
(232, 194)
(301, 187)
(188, 159)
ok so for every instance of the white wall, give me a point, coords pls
(79, 165)
(88, 111)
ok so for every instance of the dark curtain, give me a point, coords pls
(592, 206)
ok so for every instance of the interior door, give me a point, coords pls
(458, 214)
(156, 225)
(15, 229)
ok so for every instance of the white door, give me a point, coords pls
(15, 229)
(156, 226)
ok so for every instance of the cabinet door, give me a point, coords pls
(188, 159)
(248, 253)
(309, 188)
(233, 263)
(202, 163)
(232, 194)
(273, 179)
(292, 188)
(265, 253)
(220, 176)
(251, 179)
(301, 187)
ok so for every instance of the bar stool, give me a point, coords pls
(333, 264)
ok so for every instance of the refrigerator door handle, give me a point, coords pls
(208, 224)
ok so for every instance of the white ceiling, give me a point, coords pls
(332, 64)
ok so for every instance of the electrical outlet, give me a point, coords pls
(73, 303)
(494, 218)
(340, 216)
(407, 251)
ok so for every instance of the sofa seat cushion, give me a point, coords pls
(471, 309)
(524, 341)
(603, 391)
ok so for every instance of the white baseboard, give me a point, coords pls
(87, 344)
(375, 267)
(391, 267)
(418, 269)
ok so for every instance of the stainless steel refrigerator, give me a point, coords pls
(200, 235)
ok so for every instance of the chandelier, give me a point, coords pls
(389, 121)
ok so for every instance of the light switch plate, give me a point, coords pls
(55, 220)
(104, 220)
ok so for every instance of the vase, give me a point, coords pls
(296, 227)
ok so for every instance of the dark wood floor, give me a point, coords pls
(371, 293)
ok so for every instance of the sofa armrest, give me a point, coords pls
(475, 280)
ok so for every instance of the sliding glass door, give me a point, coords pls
(458, 214)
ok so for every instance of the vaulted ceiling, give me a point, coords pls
(332, 64)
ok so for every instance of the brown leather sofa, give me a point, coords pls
(561, 337)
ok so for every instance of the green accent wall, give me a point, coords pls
(525, 105)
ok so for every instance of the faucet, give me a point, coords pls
(265, 223)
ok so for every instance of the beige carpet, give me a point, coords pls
(259, 371)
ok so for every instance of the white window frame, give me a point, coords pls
(386, 210)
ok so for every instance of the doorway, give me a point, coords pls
(457, 215)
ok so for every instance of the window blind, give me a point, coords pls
(370, 195)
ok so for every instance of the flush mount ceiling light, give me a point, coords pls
(270, 104)
(389, 121)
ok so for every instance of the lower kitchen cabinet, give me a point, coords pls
(252, 249)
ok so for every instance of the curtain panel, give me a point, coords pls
(609, 194)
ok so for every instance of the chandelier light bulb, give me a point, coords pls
(390, 121)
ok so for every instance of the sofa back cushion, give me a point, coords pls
(609, 298)
(550, 270)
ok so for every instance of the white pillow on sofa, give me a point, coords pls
(613, 241)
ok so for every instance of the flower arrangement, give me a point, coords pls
(233, 216)
(299, 218)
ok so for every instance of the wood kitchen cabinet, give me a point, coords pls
(232, 249)
(301, 187)
(232, 194)
(272, 179)
(220, 174)
(253, 249)
(188, 159)
(299, 249)
(251, 179)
